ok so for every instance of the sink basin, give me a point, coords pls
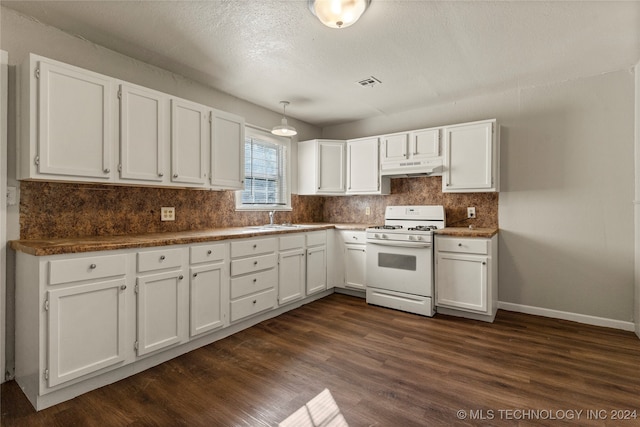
(274, 227)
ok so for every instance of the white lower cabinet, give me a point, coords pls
(466, 276)
(85, 329)
(352, 252)
(291, 268)
(254, 277)
(160, 300)
(316, 262)
(208, 288)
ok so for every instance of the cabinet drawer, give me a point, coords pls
(89, 268)
(207, 253)
(253, 247)
(159, 260)
(359, 237)
(253, 304)
(253, 264)
(469, 246)
(252, 283)
(293, 241)
(317, 238)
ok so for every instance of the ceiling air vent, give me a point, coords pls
(369, 82)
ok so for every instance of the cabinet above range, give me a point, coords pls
(81, 126)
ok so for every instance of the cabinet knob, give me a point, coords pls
(162, 257)
(195, 274)
(160, 174)
(255, 280)
(92, 266)
(107, 170)
(123, 287)
(255, 262)
(255, 301)
(175, 175)
(180, 277)
(209, 252)
(484, 263)
(255, 246)
(460, 244)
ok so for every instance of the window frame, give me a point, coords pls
(265, 135)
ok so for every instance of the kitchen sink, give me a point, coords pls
(274, 227)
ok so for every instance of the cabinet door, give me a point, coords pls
(291, 276)
(394, 148)
(142, 124)
(331, 167)
(316, 269)
(86, 329)
(160, 311)
(208, 298)
(188, 142)
(363, 171)
(74, 122)
(461, 281)
(468, 157)
(227, 151)
(355, 266)
(425, 144)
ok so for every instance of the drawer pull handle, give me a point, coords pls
(180, 277)
(255, 246)
(209, 252)
(123, 287)
(255, 262)
(459, 244)
(255, 301)
(162, 257)
(92, 266)
(255, 280)
(195, 274)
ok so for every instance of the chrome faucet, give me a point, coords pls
(271, 213)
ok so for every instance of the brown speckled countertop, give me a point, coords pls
(467, 232)
(104, 243)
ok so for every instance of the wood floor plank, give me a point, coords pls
(383, 368)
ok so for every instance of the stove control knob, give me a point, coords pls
(376, 235)
(384, 236)
(419, 237)
(412, 238)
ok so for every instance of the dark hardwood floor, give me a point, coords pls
(383, 368)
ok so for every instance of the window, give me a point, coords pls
(266, 177)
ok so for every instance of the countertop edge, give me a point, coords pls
(46, 247)
(468, 232)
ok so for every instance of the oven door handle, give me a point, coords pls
(401, 244)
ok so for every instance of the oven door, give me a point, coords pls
(400, 266)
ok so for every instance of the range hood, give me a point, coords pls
(412, 168)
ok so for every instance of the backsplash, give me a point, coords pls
(415, 191)
(60, 210)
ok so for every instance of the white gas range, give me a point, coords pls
(400, 258)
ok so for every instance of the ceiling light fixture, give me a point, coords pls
(283, 129)
(338, 13)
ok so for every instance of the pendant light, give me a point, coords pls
(338, 13)
(283, 129)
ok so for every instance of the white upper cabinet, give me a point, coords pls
(394, 148)
(227, 151)
(81, 126)
(142, 133)
(188, 142)
(363, 168)
(322, 167)
(68, 125)
(424, 144)
(471, 158)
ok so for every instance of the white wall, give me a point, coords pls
(567, 177)
(3, 206)
(637, 204)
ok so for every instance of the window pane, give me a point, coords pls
(265, 178)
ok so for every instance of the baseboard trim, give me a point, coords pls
(565, 315)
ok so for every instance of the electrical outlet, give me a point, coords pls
(167, 214)
(12, 196)
(471, 212)
(367, 210)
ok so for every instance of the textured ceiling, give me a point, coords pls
(424, 52)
